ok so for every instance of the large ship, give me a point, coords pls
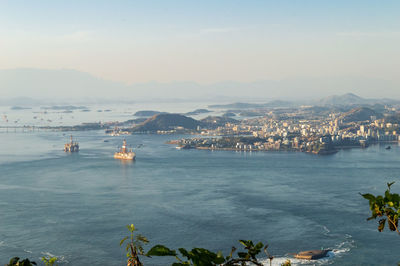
(72, 146)
(124, 153)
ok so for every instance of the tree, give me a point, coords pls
(134, 247)
(387, 207)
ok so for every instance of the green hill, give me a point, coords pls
(167, 122)
(359, 114)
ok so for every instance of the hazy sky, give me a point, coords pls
(204, 41)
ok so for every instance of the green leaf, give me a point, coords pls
(259, 245)
(368, 196)
(246, 243)
(142, 238)
(184, 252)
(13, 261)
(231, 254)
(141, 250)
(122, 241)
(160, 250)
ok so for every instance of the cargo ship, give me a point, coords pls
(71, 146)
(124, 153)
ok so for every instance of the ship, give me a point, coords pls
(124, 153)
(71, 146)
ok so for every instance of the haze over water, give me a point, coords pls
(76, 206)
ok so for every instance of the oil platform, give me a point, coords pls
(71, 146)
(124, 153)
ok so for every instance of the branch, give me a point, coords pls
(393, 223)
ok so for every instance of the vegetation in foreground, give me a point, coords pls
(387, 208)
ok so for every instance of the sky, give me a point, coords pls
(208, 42)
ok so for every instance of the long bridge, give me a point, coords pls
(5, 129)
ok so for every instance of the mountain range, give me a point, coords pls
(352, 99)
(67, 84)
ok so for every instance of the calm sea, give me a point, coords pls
(76, 206)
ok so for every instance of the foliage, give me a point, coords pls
(287, 263)
(387, 207)
(203, 257)
(16, 262)
(49, 261)
(134, 247)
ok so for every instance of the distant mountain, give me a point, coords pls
(229, 114)
(240, 105)
(166, 122)
(279, 103)
(352, 99)
(359, 114)
(236, 105)
(198, 111)
(345, 99)
(61, 84)
(147, 113)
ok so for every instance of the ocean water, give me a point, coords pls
(42, 116)
(76, 206)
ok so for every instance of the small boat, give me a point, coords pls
(312, 254)
(388, 147)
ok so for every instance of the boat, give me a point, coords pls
(71, 146)
(312, 254)
(124, 153)
(388, 147)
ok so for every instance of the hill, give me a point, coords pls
(350, 99)
(359, 114)
(393, 118)
(147, 113)
(345, 99)
(239, 105)
(216, 121)
(166, 122)
(198, 112)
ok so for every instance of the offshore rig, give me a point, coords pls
(71, 146)
(124, 153)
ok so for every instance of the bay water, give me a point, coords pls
(76, 206)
